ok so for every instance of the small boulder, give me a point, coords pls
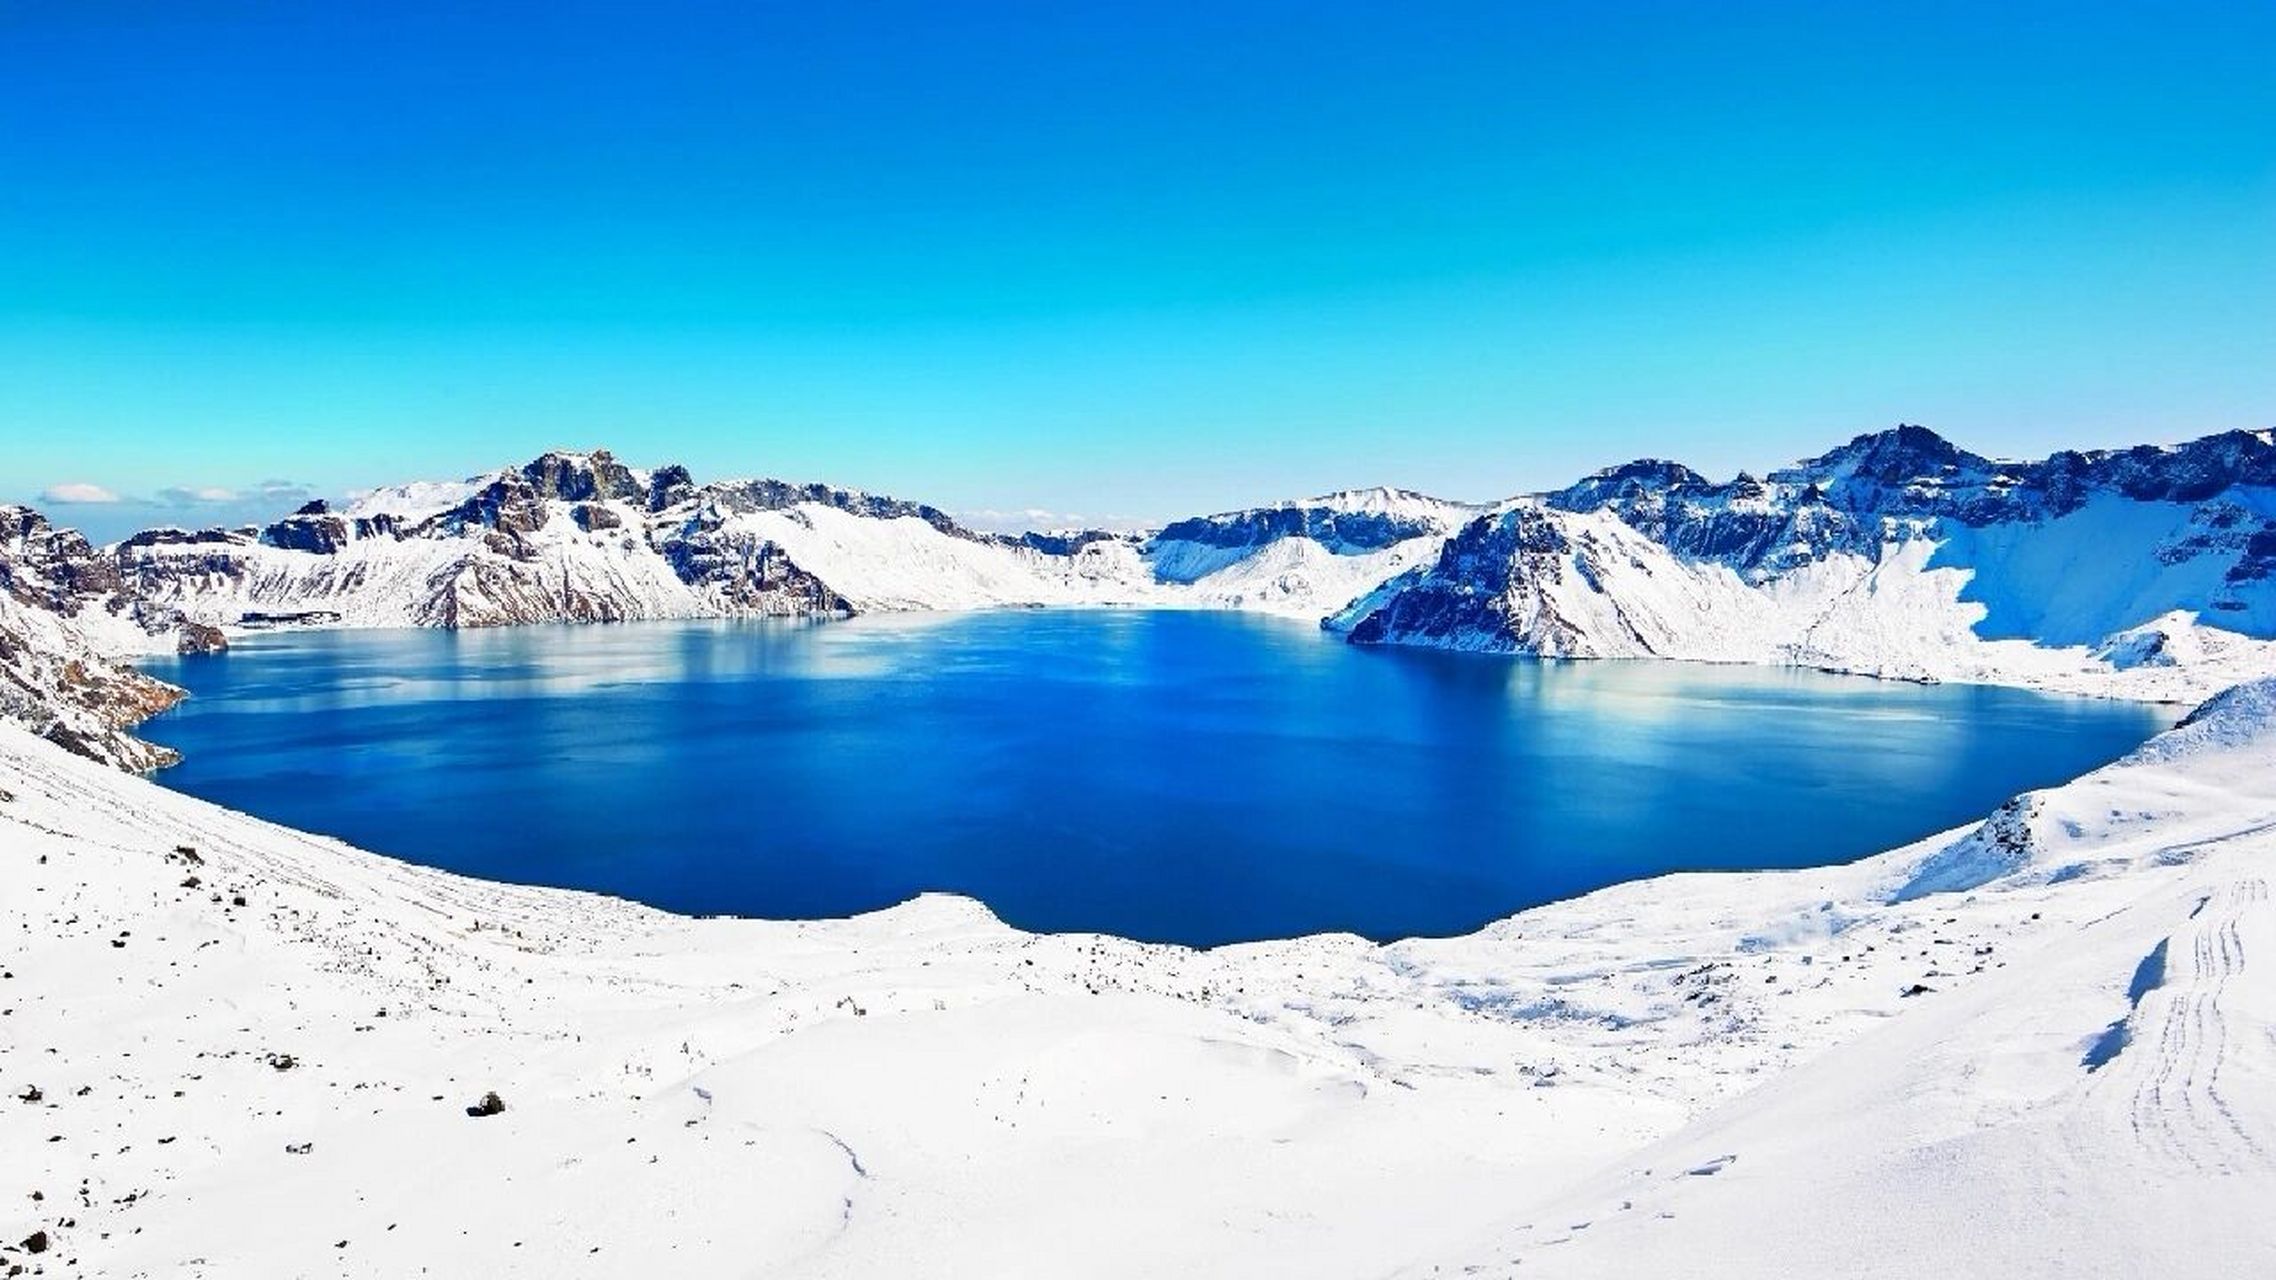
(490, 1105)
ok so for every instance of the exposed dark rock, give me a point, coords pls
(1335, 529)
(596, 476)
(592, 516)
(312, 531)
(669, 486)
(50, 568)
(748, 574)
(780, 495)
(1058, 544)
(1470, 590)
(197, 637)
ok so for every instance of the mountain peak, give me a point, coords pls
(1625, 483)
(1895, 456)
(1382, 500)
(1905, 442)
(583, 477)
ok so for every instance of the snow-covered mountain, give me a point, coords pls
(580, 537)
(1306, 557)
(63, 619)
(1896, 554)
(2147, 572)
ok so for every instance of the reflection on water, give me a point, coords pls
(1194, 777)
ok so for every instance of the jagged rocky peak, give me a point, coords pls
(1903, 452)
(514, 501)
(51, 568)
(584, 477)
(1626, 483)
(1904, 467)
(669, 486)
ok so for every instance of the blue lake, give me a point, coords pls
(1188, 777)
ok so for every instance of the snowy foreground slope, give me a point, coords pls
(229, 1049)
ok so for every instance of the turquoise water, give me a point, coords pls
(1188, 777)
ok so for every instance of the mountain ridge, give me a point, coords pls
(2145, 572)
(1896, 553)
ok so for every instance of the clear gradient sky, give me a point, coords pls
(1114, 261)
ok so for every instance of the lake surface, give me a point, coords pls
(1188, 777)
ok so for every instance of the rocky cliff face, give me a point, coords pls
(57, 595)
(1886, 550)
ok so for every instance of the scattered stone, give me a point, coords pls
(299, 1148)
(283, 1061)
(490, 1105)
(1916, 989)
(36, 1242)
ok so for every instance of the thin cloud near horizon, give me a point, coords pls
(103, 513)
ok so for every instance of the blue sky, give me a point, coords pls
(1113, 261)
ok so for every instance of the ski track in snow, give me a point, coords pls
(2177, 1101)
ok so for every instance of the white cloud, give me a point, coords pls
(193, 495)
(77, 494)
(106, 514)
